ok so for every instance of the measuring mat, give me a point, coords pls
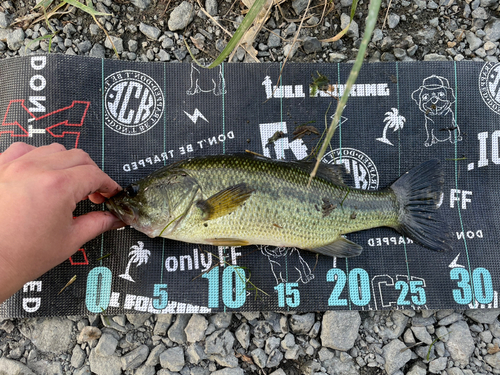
(133, 118)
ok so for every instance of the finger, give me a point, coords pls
(15, 150)
(85, 180)
(97, 198)
(89, 226)
(68, 159)
(47, 150)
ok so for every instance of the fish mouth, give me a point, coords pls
(125, 214)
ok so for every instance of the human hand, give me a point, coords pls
(39, 190)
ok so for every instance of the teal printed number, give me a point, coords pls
(359, 287)
(213, 287)
(98, 290)
(233, 287)
(415, 288)
(483, 285)
(238, 298)
(404, 291)
(336, 274)
(289, 293)
(160, 296)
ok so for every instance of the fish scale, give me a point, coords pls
(246, 199)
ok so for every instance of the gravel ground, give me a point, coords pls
(341, 342)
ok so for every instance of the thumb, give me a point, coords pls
(92, 224)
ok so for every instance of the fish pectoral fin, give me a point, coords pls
(225, 201)
(342, 248)
(227, 242)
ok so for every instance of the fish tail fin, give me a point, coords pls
(419, 192)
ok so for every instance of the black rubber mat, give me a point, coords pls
(133, 118)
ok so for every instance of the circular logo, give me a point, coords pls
(489, 85)
(134, 102)
(357, 164)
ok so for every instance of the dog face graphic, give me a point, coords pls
(435, 97)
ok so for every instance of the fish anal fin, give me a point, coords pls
(225, 201)
(226, 242)
(342, 248)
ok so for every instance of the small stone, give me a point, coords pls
(340, 329)
(151, 32)
(4, 20)
(394, 355)
(195, 353)
(109, 365)
(417, 370)
(163, 321)
(493, 360)
(492, 29)
(98, 51)
(154, 356)
(117, 42)
(301, 324)
(473, 40)
(52, 335)
(173, 358)
(107, 345)
(450, 319)
(274, 39)
(377, 36)
(220, 342)
(353, 31)
(10, 367)
(299, 6)
(137, 320)
(135, 358)
(196, 327)
(480, 13)
(221, 320)
(163, 55)
(484, 315)
(311, 45)
(393, 20)
(141, 4)
(243, 335)
(229, 371)
(435, 57)
(460, 343)
(259, 357)
(336, 57)
(15, 39)
(438, 365)
(422, 334)
(181, 16)
(275, 358)
(78, 357)
(211, 7)
(176, 332)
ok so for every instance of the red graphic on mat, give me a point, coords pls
(83, 262)
(19, 121)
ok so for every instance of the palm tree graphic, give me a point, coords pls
(394, 121)
(139, 255)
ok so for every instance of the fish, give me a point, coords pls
(245, 199)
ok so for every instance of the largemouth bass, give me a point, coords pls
(238, 200)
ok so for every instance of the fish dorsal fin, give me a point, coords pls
(334, 173)
(225, 201)
(342, 248)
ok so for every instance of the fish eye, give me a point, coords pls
(132, 190)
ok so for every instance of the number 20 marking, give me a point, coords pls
(359, 287)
